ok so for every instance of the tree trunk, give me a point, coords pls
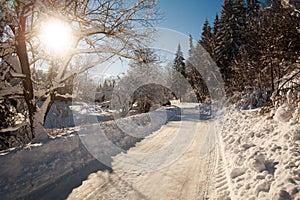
(37, 115)
(39, 120)
(25, 67)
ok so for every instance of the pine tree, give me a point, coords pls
(226, 47)
(207, 40)
(216, 25)
(239, 12)
(214, 34)
(191, 41)
(253, 9)
(179, 64)
(246, 37)
(194, 73)
(256, 46)
(179, 74)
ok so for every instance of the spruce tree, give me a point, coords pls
(207, 40)
(246, 37)
(226, 47)
(239, 12)
(214, 34)
(194, 74)
(179, 74)
(179, 64)
(191, 45)
(216, 25)
(253, 9)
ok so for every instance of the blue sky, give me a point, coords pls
(188, 16)
(184, 17)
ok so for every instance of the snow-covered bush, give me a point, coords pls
(286, 99)
(14, 130)
(250, 99)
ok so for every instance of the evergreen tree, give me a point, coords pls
(226, 47)
(191, 45)
(193, 72)
(216, 25)
(254, 46)
(207, 40)
(253, 9)
(245, 65)
(179, 64)
(179, 74)
(239, 12)
(214, 34)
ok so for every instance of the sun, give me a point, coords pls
(56, 36)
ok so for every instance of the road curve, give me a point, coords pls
(191, 175)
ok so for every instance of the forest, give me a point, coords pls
(256, 48)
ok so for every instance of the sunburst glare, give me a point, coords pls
(56, 36)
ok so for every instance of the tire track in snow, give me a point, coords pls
(192, 176)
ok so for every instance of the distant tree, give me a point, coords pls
(193, 72)
(215, 29)
(191, 41)
(143, 84)
(179, 86)
(179, 64)
(104, 90)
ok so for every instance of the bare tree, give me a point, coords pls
(101, 29)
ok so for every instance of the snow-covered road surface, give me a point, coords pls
(198, 173)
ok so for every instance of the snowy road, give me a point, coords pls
(197, 173)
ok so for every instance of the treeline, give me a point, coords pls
(254, 45)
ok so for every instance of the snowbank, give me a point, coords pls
(33, 168)
(262, 155)
(26, 170)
